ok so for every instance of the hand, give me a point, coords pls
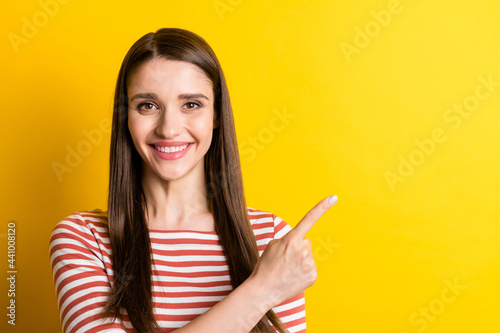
(286, 268)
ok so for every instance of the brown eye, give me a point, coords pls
(191, 105)
(147, 106)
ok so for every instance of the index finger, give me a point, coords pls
(312, 216)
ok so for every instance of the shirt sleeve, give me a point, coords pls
(293, 311)
(81, 283)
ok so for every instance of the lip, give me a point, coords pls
(171, 156)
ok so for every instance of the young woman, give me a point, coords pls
(178, 249)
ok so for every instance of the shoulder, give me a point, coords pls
(267, 223)
(87, 226)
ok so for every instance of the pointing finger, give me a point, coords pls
(313, 216)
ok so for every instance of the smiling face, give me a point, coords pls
(170, 117)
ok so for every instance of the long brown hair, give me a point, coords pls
(130, 243)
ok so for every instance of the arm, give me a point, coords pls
(285, 269)
(79, 272)
(239, 312)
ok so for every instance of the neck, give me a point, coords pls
(180, 204)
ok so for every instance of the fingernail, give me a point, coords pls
(333, 199)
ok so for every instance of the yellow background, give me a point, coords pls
(385, 252)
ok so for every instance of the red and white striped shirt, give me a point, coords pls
(190, 273)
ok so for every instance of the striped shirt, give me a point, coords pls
(190, 273)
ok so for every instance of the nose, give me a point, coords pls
(169, 124)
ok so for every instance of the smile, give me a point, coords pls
(171, 149)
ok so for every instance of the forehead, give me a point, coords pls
(168, 75)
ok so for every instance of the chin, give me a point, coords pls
(171, 176)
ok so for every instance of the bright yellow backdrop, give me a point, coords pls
(391, 105)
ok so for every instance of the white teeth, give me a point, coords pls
(171, 149)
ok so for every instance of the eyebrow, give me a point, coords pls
(189, 96)
(180, 97)
(144, 95)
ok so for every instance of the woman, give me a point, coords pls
(185, 247)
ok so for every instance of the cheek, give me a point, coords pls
(204, 128)
(136, 129)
